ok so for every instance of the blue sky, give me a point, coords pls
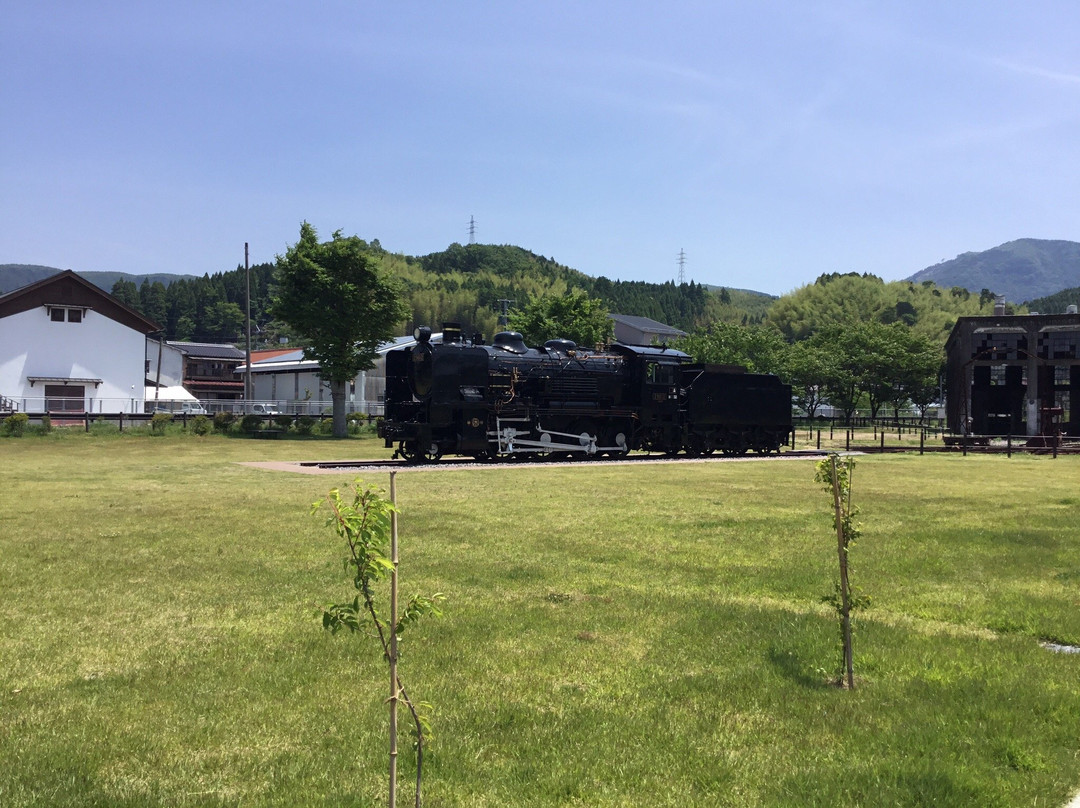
(771, 141)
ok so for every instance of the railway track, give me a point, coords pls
(454, 463)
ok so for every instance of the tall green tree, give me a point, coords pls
(574, 316)
(842, 367)
(152, 301)
(806, 367)
(224, 321)
(760, 349)
(341, 303)
(127, 293)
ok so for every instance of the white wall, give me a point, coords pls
(172, 363)
(33, 345)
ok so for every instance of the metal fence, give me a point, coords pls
(69, 407)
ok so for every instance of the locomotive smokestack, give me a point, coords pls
(451, 332)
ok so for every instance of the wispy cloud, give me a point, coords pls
(1043, 73)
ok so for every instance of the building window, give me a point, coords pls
(65, 397)
(1001, 346)
(1059, 345)
(60, 313)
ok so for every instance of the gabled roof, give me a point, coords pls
(208, 350)
(68, 289)
(647, 325)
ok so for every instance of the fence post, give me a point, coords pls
(883, 441)
(922, 440)
(847, 440)
(1008, 445)
(819, 440)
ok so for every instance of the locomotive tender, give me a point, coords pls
(508, 400)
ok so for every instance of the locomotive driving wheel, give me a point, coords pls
(697, 445)
(617, 441)
(411, 451)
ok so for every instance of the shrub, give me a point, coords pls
(100, 426)
(46, 424)
(15, 424)
(223, 420)
(359, 423)
(200, 425)
(305, 424)
(251, 423)
(159, 421)
(326, 426)
(283, 421)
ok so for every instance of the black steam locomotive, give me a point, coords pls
(508, 400)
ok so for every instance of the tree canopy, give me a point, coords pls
(851, 298)
(341, 303)
(574, 316)
(760, 349)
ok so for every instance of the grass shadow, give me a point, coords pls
(792, 667)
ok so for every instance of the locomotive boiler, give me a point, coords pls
(506, 399)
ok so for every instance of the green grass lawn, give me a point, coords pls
(614, 636)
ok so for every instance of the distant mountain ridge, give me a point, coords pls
(1022, 270)
(15, 276)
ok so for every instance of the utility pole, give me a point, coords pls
(504, 318)
(157, 376)
(682, 267)
(247, 374)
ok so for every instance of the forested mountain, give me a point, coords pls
(468, 284)
(206, 309)
(15, 276)
(464, 283)
(1056, 303)
(1021, 270)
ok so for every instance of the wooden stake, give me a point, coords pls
(393, 641)
(845, 602)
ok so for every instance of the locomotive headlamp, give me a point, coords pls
(422, 334)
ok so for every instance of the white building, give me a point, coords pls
(68, 346)
(170, 371)
(292, 383)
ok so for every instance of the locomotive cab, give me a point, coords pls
(653, 386)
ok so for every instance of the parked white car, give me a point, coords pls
(264, 409)
(182, 407)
